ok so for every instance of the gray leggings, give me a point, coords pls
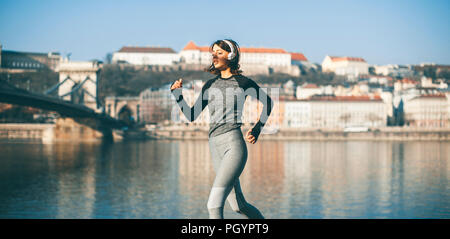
(229, 155)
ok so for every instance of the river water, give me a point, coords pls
(172, 179)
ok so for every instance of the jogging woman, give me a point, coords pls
(225, 95)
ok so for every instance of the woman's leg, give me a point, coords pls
(214, 209)
(238, 204)
(229, 153)
(232, 150)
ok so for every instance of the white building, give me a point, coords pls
(394, 70)
(145, 56)
(405, 84)
(427, 111)
(300, 60)
(428, 83)
(387, 98)
(297, 114)
(335, 112)
(252, 60)
(197, 55)
(348, 66)
(307, 90)
(382, 80)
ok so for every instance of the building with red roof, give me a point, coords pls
(253, 59)
(348, 66)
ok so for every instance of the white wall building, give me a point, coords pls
(428, 82)
(335, 112)
(348, 66)
(404, 84)
(197, 55)
(252, 61)
(394, 70)
(297, 114)
(427, 111)
(145, 56)
(307, 90)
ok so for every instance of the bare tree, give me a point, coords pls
(345, 118)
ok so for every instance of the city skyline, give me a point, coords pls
(381, 32)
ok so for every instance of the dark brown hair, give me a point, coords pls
(233, 63)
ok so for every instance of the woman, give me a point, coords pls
(225, 95)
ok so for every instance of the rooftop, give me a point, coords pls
(133, 49)
(192, 46)
(345, 98)
(298, 57)
(346, 58)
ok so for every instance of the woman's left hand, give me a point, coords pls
(250, 138)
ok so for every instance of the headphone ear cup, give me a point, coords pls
(230, 56)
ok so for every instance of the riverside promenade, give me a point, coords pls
(385, 133)
(45, 133)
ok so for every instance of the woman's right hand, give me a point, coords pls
(177, 84)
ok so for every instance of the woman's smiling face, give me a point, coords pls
(220, 58)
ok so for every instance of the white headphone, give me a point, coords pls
(231, 55)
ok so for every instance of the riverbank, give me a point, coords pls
(45, 133)
(379, 134)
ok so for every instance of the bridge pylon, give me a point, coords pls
(78, 82)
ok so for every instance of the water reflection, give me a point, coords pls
(172, 179)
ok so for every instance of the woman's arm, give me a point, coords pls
(267, 102)
(200, 104)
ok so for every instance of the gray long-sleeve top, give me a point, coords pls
(225, 98)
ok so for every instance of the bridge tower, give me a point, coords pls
(78, 82)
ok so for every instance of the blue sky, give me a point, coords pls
(382, 32)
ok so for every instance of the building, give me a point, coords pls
(161, 56)
(253, 108)
(307, 90)
(394, 70)
(351, 67)
(284, 91)
(427, 111)
(375, 79)
(404, 84)
(297, 114)
(156, 105)
(195, 55)
(29, 60)
(253, 61)
(335, 112)
(300, 60)
(428, 83)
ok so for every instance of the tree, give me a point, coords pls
(372, 117)
(345, 118)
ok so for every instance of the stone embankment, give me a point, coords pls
(70, 131)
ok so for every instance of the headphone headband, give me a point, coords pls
(231, 55)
